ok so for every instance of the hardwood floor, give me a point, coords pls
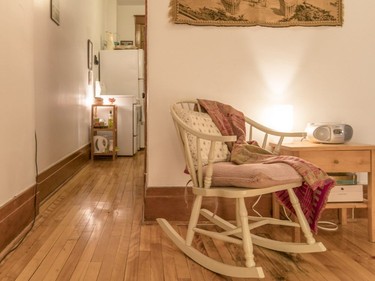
(91, 229)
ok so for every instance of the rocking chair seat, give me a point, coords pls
(252, 175)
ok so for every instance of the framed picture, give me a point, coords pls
(90, 57)
(126, 42)
(55, 11)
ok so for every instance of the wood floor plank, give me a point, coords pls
(109, 257)
(132, 261)
(85, 258)
(124, 221)
(156, 252)
(169, 266)
(182, 267)
(70, 265)
(92, 271)
(60, 260)
(38, 235)
(57, 236)
(144, 266)
(118, 272)
(145, 243)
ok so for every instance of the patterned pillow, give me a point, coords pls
(203, 123)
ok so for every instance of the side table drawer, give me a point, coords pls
(339, 161)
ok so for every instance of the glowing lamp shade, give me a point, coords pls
(279, 117)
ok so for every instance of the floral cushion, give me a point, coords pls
(203, 123)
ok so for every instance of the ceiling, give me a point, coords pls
(130, 2)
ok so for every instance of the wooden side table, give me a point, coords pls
(103, 111)
(348, 157)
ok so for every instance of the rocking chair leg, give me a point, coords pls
(246, 238)
(301, 217)
(193, 219)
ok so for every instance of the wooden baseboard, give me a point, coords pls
(16, 215)
(52, 179)
(172, 204)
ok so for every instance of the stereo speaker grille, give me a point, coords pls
(322, 133)
(348, 132)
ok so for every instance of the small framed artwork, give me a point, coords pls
(90, 54)
(126, 42)
(55, 11)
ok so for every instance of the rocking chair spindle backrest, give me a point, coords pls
(204, 147)
(201, 146)
(257, 130)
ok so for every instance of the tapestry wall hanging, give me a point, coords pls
(272, 13)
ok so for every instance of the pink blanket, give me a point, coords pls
(314, 191)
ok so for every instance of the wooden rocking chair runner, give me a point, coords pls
(213, 175)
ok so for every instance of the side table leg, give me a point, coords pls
(343, 213)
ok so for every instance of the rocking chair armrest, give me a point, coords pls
(266, 131)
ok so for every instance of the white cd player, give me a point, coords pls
(329, 132)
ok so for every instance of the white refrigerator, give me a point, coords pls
(121, 75)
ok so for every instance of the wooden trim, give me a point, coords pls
(16, 215)
(139, 19)
(172, 204)
(52, 179)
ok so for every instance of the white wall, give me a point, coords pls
(17, 169)
(110, 15)
(63, 96)
(323, 73)
(125, 21)
(44, 85)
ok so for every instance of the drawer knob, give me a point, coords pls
(336, 161)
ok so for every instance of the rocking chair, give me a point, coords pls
(213, 175)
